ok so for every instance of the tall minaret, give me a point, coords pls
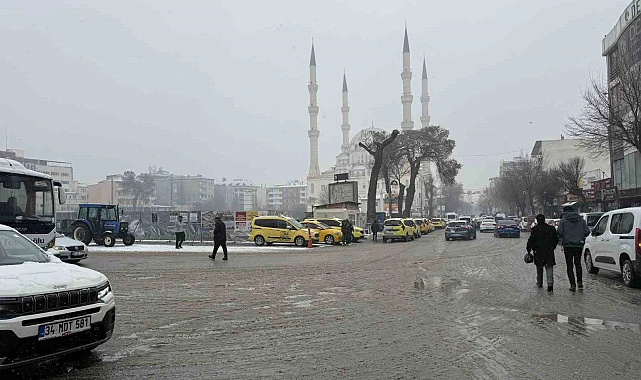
(407, 123)
(425, 100)
(313, 132)
(345, 111)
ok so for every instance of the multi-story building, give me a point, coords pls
(182, 191)
(235, 195)
(289, 197)
(553, 152)
(622, 49)
(111, 191)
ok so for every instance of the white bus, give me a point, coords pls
(451, 216)
(27, 202)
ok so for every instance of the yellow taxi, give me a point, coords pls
(410, 223)
(279, 229)
(325, 233)
(438, 223)
(429, 224)
(336, 224)
(422, 226)
(395, 229)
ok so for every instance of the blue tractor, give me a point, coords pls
(100, 223)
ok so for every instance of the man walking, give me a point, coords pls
(345, 229)
(375, 228)
(573, 230)
(180, 232)
(220, 238)
(542, 241)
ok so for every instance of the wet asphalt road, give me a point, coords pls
(424, 309)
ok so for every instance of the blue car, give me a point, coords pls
(507, 228)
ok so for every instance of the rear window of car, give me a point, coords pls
(488, 220)
(330, 222)
(456, 224)
(508, 222)
(409, 223)
(392, 223)
(267, 223)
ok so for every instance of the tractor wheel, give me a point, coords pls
(82, 233)
(109, 240)
(129, 239)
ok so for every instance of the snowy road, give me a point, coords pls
(424, 309)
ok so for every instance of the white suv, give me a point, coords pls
(48, 308)
(615, 245)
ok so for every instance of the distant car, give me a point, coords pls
(395, 229)
(487, 224)
(415, 229)
(591, 218)
(422, 226)
(439, 223)
(68, 249)
(325, 233)
(459, 229)
(507, 228)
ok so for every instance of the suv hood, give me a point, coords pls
(37, 278)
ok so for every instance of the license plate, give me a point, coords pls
(58, 329)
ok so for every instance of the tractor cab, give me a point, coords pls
(101, 223)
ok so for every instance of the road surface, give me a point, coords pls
(423, 309)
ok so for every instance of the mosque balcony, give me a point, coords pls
(406, 75)
(312, 87)
(345, 109)
(313, 109)
(313, 133)
(406, 98)
(425, 98)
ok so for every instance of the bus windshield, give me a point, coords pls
(25, 198)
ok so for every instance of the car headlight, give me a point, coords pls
(104, 292)
(59, 248)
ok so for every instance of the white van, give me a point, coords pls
(615, 245)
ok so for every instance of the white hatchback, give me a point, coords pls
(615, 245)
(48, 308)
(487, 225)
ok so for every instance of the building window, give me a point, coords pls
(617, 173)
(312, 188)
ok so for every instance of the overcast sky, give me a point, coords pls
(219, 88)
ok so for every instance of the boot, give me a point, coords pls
(550, 288)
(580, 285)
(212, 256)
(225, 258)
(573, 288)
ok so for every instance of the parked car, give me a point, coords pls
(488, 224)
(466, 218)
(429, 224)
(395, 229)
(337, 223)
(325, 233)
(507, 228)
(591, 218)
(68, 249)
(279, 229)
(439, 223)
(415, 229)
(422, 226)
(459, 229)
(48, 308)
(525, 224)
(615, 245)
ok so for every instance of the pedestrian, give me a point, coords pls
(180, 232)
(346, 232)
(375, 228)
(220, 238)
(543, 241)
(572, 231)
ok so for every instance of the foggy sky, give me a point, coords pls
(219, 88)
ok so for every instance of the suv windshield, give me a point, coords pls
(295, 222)
(25, 197)
(16, 249)
(392, 223)
(592, 219)
(456, 224)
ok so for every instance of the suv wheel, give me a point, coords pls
(629, 277)
(82, 233)
(589, 265)
(259, 240)
(329, 239)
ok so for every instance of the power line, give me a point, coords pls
(485, 154)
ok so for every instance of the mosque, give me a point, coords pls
(353, 159)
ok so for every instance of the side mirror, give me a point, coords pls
(62, 195)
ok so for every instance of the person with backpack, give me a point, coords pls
(543, 241)
(573, 230)
(376, 227)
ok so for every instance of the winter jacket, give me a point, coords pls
(542, 241)
(573, 229)
(180, 226)
(220, 231)
(376, 227)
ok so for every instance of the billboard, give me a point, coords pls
(343, 192)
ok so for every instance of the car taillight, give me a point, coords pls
(637, 242)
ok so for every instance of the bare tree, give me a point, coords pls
(570, 174)
(376, 149)
(430, 188)
(527, 172)
(548, 188)
(610, 114)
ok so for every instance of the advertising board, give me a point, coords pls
(343, 192)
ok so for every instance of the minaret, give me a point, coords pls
(345, 111)
(407, 123)
(313, 132)
(425, 100)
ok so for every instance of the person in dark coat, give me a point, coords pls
(347, 232)
(573, 230)
(220, 238)
(543, 241)
(376, 227)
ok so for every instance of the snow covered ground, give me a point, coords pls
(238, 247)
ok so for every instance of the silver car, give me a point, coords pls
(68, 249)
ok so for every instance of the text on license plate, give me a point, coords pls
(58, 329)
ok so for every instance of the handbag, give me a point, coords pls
(528, 258)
